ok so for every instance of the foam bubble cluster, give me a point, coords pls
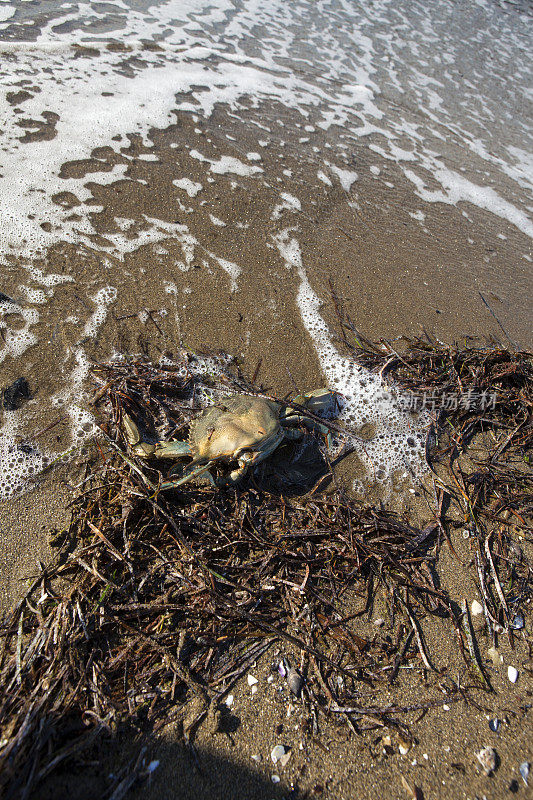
(396, 439)
(19, 463)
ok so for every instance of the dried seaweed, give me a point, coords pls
(157, 600)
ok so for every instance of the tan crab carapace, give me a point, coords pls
(238, 432)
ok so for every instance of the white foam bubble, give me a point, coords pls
(399, 437)
(19, 463)
(346, 177)
(324, 178)
(102, 299)
(17, 336)
(227, 164)
(191, 187)
(232, 269)
(290, 203)
(6, 12)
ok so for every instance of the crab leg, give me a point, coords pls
(189, 474)
(174, 449)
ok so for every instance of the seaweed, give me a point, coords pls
(159, 601)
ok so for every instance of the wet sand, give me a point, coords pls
(396, 276)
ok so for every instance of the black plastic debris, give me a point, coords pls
(16, 394)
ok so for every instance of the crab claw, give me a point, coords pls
(319, 401)
(133, 437)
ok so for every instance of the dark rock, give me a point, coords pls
(16, 394)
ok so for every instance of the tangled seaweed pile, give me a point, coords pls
(158, 602)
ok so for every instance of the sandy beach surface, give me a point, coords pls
(229, 171)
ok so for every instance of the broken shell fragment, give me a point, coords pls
(295, 681)
(277, 753)
(477, 608)
(404, 745)
(488, 758)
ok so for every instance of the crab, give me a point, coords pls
(238, 432)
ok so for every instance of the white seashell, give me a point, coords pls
(251, 680)
(512, 674)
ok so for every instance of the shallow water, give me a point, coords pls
(201, 171)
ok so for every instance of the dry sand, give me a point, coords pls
(395, 277)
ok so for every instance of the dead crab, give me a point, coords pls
(239, 432)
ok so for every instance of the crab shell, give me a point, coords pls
(245, 428)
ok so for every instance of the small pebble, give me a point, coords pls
(477, 608)
(445, 707)
(281, 669)
(275, 778)
(488, 758)
(494, 724)
(16, 394)
(295, 681)
(512, 674)
(254, 689)
(379, 622)
(517, 623)
(251, 680)
(256, 758)
(229, 700)
(524, 771)
(494, 656)
(152, 766)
